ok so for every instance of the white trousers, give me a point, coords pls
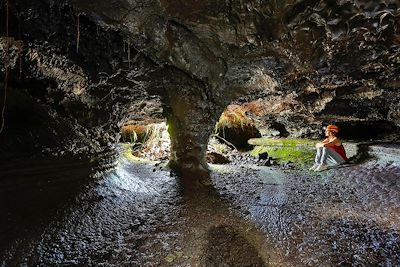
(328, 156)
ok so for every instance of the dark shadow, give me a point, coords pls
(361, 156)
(226, 247)
(34, 190)
(366, 130)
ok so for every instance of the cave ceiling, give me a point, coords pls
(102, 64)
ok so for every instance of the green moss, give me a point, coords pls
(127, 152)
(287, 142)
(298, 151)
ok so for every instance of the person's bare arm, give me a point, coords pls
(326, 142)
(321, 144)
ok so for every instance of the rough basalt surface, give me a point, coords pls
(88, 67)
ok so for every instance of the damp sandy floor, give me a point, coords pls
(58, 213)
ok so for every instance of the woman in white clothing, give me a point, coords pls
(330, 152)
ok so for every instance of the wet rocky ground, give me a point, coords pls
(64, 213)
(347, 216)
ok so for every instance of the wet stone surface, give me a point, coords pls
(346, 216)
(228, 248)
(107, 224)
(136, 215)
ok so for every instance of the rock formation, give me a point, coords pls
(80, 69)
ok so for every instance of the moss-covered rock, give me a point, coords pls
(299, 151)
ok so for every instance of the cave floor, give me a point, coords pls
(52, 214)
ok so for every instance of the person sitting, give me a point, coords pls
(330, 152)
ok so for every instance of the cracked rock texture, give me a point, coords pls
(82, 69)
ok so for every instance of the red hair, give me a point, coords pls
(332, 128)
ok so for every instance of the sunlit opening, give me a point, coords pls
(150, 141)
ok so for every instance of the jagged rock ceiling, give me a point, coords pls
(307, 62)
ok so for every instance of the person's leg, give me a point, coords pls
(317, 159)
(333, 158)
(318, 156)
(329, 157)
(322, 162)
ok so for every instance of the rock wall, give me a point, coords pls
(306, 62)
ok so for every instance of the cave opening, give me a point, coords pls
(235, 128)
(150, 141)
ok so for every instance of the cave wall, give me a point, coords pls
(84, 91)
(305, 62)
